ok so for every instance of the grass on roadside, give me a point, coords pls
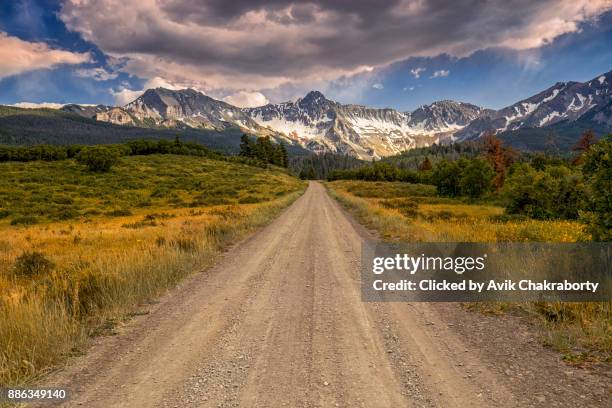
(409, 213)
(62, 280)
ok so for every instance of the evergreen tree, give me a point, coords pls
(264, 150)
(277, 155)
(246, 146)
(425, 165)
(284, 155)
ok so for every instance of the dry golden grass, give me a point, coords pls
(105, 267)
(582, 331)
(442, 219)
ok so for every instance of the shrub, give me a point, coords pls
(67, 214)
(445, 176)
(98, 158)
(62, 199)
(31, 264)
(476, 178)
(119, 212)
(556, 192)
(569, 195)
(527, 192)
(24, 220)
(249, 200)
(597, 168)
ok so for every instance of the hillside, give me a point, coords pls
(64, 127)
(64, 189)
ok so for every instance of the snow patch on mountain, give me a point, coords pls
(555, 92)
(319, 124)
(564, 101)
(362, 131)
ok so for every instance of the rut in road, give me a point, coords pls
(277, 322)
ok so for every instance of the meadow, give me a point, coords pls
(80, 251)
(415, 213)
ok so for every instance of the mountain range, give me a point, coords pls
(556, 115)
(581, 103)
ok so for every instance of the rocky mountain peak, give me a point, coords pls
(313, 97)
(320, 124)
(315, 103)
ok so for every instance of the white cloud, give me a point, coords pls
(97, 73)
(440, 73)
(123, 96)
(378, 86)
(33, 105)
(245, 99)
(18, 56)
(416, 72)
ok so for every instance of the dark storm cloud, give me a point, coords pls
(223, 11)
(248, 43)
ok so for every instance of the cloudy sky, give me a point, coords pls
(396, 53)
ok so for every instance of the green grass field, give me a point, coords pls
(50, 191)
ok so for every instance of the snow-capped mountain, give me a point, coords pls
(313, 121)
(187, 107)
(319, 124)
(323, 125)
(564, 102)
(162, 107)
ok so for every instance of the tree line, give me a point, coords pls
(264, 150)
(134, 147)
(380, 171)
(319, 166)
(413, 159)
(541, 186)
(579, 188)
(101, 158)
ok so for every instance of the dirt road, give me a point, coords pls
(279, 322)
